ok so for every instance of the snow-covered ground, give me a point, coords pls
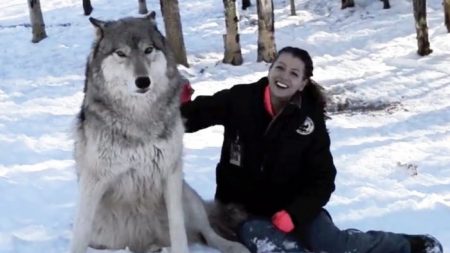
(393, 163)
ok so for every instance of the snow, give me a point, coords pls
(393, 163)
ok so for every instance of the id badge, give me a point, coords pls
(236, 153)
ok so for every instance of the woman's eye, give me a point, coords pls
(294, 74)
(148, 50)
(279, 67)
(120, 54)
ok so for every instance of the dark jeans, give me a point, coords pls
(260, 236)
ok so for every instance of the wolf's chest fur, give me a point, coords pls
(137, 166)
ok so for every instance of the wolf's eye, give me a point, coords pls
(120, 53)
(148, 50)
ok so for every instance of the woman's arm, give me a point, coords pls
(206, 111)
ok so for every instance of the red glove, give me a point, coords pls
(282, 220)
(186, 92)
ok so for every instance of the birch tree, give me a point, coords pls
(37, 21)
(87, 7)
(232, 54)
(142, 7)
(174, 31)
(420, 15)
(246, 4)
(293, 12)
(347, 3)
(266, 31)
(386, 4)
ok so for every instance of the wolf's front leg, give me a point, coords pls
(90, 194)
(173, 197)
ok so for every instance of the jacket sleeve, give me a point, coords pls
(322, 173)
(206, 111)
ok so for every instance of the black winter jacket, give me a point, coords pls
(281, 166)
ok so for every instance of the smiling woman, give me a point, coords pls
(276, 163)
(290, 73)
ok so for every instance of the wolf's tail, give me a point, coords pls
(225, 219)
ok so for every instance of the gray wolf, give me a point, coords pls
(128, 148)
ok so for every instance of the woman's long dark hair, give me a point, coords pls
(312, 90)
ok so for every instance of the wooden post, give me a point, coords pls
(420, 15)
(386, 4)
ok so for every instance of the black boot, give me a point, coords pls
(424, 244)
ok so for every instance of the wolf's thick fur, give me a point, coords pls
(128, 148)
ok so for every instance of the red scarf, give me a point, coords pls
(268, 101)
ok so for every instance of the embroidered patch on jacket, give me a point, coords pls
(307, 127)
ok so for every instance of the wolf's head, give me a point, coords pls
(132, 58)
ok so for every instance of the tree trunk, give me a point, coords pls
(174, 31)
(87, 7)
(266, 31)
(386, 4)
(447, 14)
(232, 54)
(420, 14)
(142, 7)
(293, 12)
(37, 21)
(347, 3)
(246, 4)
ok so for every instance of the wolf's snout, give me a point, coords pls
(142, 82)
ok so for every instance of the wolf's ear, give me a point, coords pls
(99, 26)
(97, 23)
(152, 16)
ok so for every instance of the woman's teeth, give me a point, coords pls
(281, 85)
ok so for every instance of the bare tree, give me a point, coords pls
(351, 3)
(266, 31)
(142, 7)
(447, 14)
(87, 7)
(232, 53)
(420, 15)
(37, 21)
(293, 13)
(347, 3)
(246, 4)
(174, 31)
(386, 4)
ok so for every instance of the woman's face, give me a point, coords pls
(286, 76)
